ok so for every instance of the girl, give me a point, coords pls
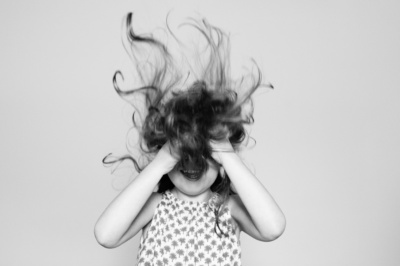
(193, 195)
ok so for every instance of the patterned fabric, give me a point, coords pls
(182, 234)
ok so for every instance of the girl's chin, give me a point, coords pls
(192, 194)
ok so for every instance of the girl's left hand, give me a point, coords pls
(220, 147)
(253, 208)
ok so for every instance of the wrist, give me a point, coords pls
(156, 169)
(163, 164)
(227, 156)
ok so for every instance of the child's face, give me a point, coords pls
(191, 186)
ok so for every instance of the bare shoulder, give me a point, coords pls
(149, 209)
(155, 198)
(235, 206)
(151, 205)
(147, 212)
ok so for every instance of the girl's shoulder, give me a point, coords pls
(238, 211)
(234, 203)
(155, 198)
(152, 203)
(150, 207)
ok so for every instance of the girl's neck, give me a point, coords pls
(203, 197)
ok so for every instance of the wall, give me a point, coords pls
(327, 136)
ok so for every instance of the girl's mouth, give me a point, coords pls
(192, 175)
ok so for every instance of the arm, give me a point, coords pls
(133, 208)
(253, 208)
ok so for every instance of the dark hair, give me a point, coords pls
(189, 110)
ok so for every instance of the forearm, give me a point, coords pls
(122, 211)
(264, 211)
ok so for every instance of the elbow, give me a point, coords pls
(104, 239)
(271, 236)
(274, 231)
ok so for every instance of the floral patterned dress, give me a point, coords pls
(182, 234)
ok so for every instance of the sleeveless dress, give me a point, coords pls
(182, 234)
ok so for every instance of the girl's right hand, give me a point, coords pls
(166, 158)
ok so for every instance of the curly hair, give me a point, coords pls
(188, 110)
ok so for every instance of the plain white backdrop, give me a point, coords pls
(327, 137)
